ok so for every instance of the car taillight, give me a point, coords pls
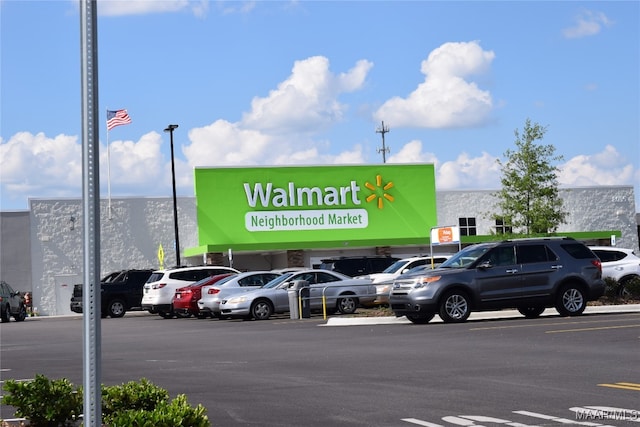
(159, 285)
(213, 291)
(597, 263)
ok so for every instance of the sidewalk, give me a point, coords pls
(484, 315)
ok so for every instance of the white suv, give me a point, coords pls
(162, 284)
(384, 280)
(619, 264)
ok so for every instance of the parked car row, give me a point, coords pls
(527, 274)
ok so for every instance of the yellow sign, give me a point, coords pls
(161, 256)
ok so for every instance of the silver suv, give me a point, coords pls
(527, 274)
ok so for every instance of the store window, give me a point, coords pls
(467, 226)
(502, 226)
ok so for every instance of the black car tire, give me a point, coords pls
(5, 315)
(571, 300)
(347, 304)
(116, 308)
(531, 312)
(166, 315)
(455, 307)
(22, 314)
(420, 319)
(261, 310)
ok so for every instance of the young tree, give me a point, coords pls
(529, 200)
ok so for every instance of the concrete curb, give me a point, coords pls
(486, 315)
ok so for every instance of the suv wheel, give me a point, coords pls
(116, 308)
(22, 314)
(420, 319)
(348, 304)
(5, 315)
(454, 307)
(531, 312)
(571, 300)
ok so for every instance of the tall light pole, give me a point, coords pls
(170, 129)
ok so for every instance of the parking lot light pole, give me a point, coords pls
(170, 129)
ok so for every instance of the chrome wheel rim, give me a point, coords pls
(572, 300)
(261, 311)
(456, 306)
(347, 305)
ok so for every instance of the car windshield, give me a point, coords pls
(465, 257)
(396, 266)
(278, 280)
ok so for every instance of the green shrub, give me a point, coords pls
(632, 288)
(177, 413)
(44, 402)
(133, 395)
(610, 287)
(56, 403)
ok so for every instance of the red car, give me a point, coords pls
(185, 300)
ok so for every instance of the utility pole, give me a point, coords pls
(384, 150)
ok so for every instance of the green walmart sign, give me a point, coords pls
(305, 207)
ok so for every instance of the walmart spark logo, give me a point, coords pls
(379, 192)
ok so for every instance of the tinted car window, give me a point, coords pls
(325, 278)
(528, 254)
(609, 256)
(500, 256)
(578, 250)
(155, 277)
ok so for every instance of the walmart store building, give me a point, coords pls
(276, 217)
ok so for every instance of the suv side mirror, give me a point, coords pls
(485, 265)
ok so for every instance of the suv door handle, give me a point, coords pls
(556, 267)
(514, 270)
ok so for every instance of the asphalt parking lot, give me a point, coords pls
(360, 371)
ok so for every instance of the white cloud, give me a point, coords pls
(445, 99)
(608, 167)
(199, 8)
(36, 164)
(277, 130)
(469, 173)
(307, 100)
(411, 152)
(588, 23)
(138, 164)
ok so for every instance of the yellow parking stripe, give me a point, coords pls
(625, 386)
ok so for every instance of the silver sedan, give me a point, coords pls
(209, 302)
(337, 291)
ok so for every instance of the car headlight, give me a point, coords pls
(424, 281)
(236, 300)
(383, 289)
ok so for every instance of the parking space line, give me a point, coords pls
(592, 329)
(530, 325)
(420, 422)
(559, 420)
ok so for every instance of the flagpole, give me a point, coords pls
(108, 172)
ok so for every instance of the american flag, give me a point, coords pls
(117, 118)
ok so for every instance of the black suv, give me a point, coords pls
(11, 304)
(358, 265)
(526, 274)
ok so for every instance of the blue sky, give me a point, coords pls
(302, 82)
